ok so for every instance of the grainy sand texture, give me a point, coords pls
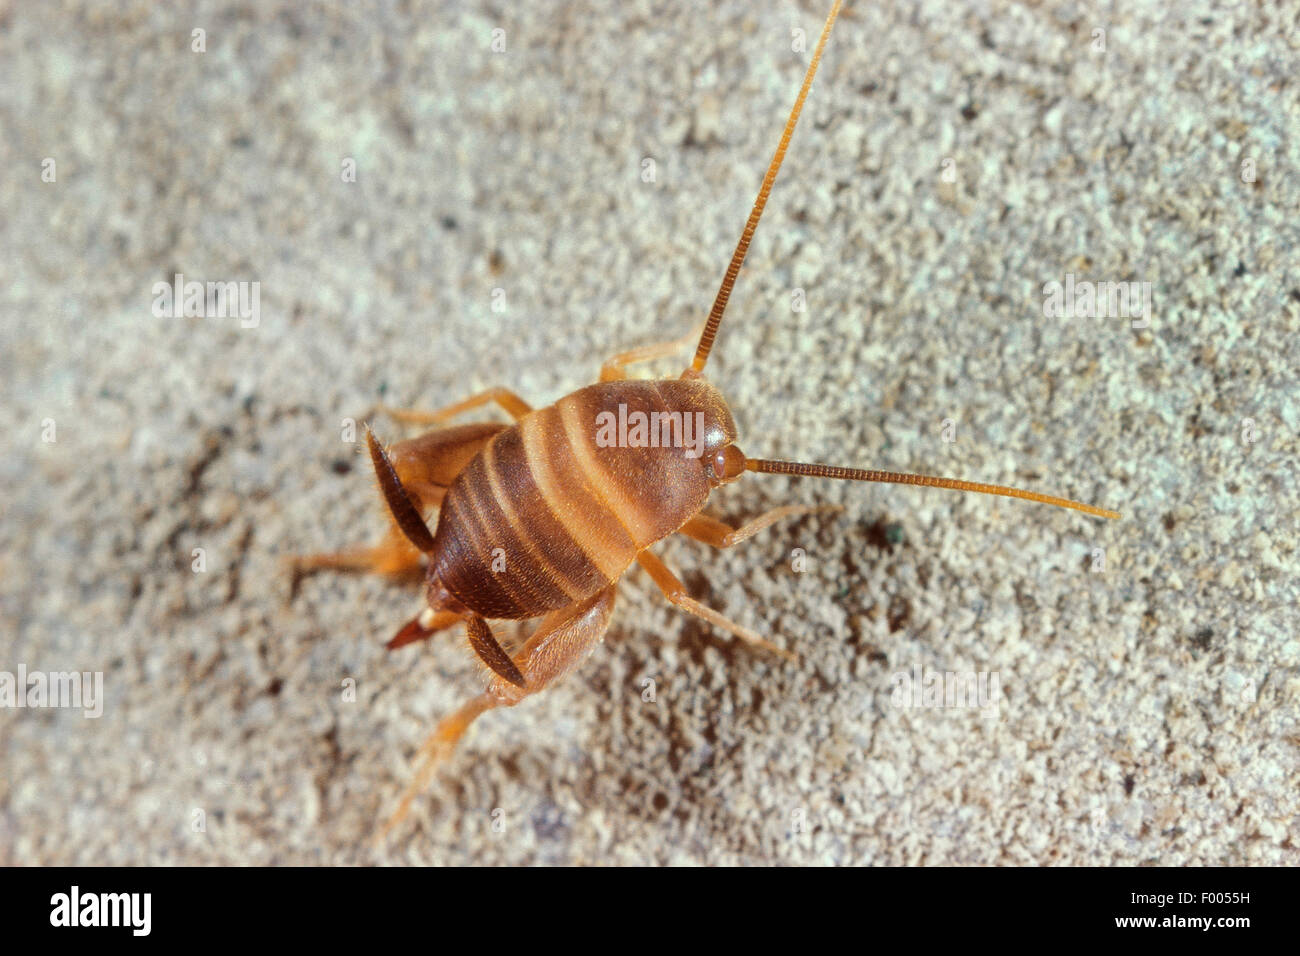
(433, 199)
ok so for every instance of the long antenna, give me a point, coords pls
(742, 247)
(929, 481)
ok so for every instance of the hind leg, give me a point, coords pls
(557, 645)
(426, 466)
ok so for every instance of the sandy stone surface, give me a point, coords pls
(953, 160)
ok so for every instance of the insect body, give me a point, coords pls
(569, 510)
(540, 519)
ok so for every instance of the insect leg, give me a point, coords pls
(675, 592)
(514, 406)
(393, 556)
(558, 643)
(613, 369)
(426, 466)
(492, 653)
(722, 535)
(437, 457)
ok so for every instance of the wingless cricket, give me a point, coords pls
(541, 518)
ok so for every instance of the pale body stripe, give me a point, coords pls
(520, 527)
(639, 527)
(476, 514)
(552, 486)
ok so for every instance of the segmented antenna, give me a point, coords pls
(742, 247)
(929, 481)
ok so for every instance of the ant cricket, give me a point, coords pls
(540, 519)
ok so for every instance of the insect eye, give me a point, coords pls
(728, 463)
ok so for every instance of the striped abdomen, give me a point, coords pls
(556, 507)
